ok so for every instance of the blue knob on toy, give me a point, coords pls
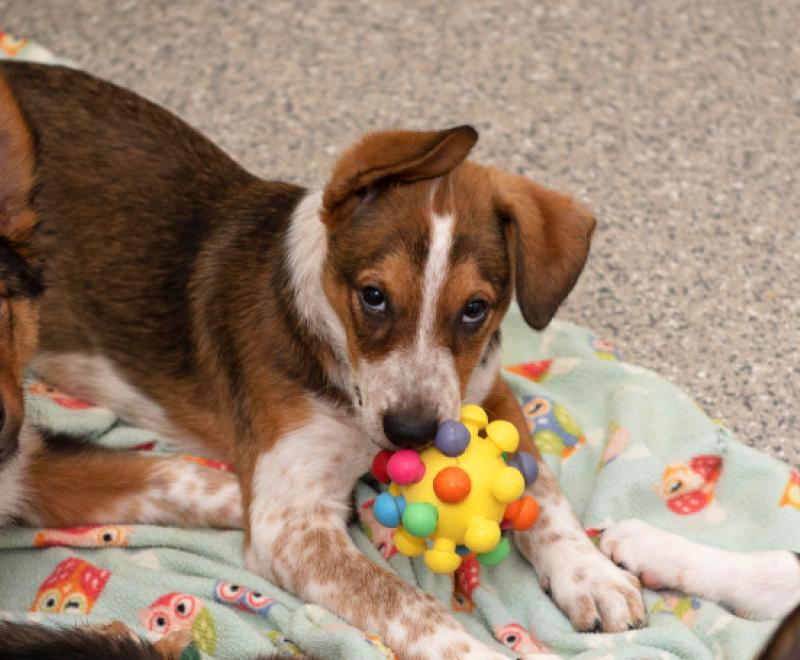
(388, 510)
(526, 464)
(452, 438)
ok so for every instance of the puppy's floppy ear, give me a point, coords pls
(549, 236)
(17, 163)
(393, 156)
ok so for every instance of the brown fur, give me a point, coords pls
(18, 317)
(397, 156)
(67, 484)
(115, 487)
(785, 642)
(10, 377)
(52, 478)
(17, 162)
(551, 235)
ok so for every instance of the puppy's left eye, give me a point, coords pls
(474, 311)
(373, 299)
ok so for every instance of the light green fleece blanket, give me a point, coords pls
(623, 442)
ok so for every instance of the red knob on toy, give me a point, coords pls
(405, 467)
(523, 513)
(379, 463)
(451, 485)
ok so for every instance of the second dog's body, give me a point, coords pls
(295, 333)
(755, 585)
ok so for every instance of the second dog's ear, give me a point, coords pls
(403, 156)
(549, 236)
(17, 162)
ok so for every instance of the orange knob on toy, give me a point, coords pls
(451, 485)
(523, 513)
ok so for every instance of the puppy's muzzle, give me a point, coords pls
(409, 430)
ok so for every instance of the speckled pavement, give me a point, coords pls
(677, 122)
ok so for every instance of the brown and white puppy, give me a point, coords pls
(295, 333)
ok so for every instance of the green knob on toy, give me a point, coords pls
(420, 519)
(496, 555)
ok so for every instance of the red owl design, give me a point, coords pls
(177, 611)
(515, 637)
(10, 45)
(465, 580)
(72, 588)
(688, 486)
(536, 371)
(791, 492)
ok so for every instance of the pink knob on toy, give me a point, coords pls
(405, 467)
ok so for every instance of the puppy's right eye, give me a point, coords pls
(373, 299)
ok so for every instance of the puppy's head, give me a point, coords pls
(425, 251)
(20, 284)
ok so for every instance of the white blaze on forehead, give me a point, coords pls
(441, 240)
(420, 372)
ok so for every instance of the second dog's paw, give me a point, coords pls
(596, 595)
(642, 550)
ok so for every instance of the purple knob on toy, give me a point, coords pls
(452, 438)
(526, 464)
(405, 467)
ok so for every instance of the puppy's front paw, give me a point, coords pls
(596, 595)
(645, 551)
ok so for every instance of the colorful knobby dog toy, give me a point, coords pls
(457, 492)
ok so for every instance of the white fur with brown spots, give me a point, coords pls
(594, 593)
(610, 598)
(301, 501)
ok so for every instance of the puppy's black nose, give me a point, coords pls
(409, 430)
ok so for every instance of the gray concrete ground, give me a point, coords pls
(678, 122)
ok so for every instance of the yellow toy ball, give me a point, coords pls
(451, 498)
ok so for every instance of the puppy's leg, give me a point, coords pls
(591, 590)
(90, 485)
(759, 585)
(301, 491)
(95, 378)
